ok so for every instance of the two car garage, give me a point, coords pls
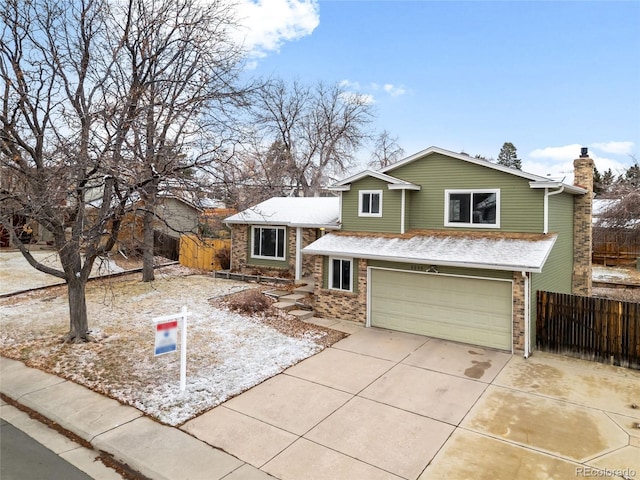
(472, 310)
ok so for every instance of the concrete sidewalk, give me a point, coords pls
(376, 405)
(157, 451)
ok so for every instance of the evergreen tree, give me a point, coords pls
(508, 156)
(632, 175)
(597, 181)
(607, 181)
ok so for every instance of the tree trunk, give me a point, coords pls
(147, 248)
(78, 324)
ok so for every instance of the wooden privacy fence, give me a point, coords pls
(588, 327)
(202, 253)
(615, 246)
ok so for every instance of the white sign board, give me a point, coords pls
(167, 340)
(166, 337)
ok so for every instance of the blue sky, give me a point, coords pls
(468, 76)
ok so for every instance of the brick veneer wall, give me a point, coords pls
(240, 248)
(582, 227)
(518, 312)
(341, 305)
(309, 235)
(239, 242)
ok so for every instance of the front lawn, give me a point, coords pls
(228, 352)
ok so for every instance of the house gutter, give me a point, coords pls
(547, 194)
(527, 315)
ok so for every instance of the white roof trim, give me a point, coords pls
(477, 161)
(490, 253)
(404, 187)
(553, 184)
(397, 183)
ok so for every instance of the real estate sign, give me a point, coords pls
(166, 337)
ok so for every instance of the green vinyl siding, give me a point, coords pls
(465, 272)
(391, 208)
(556, 275)
(521, 208)
(265, 262)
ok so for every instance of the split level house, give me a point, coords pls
(439, 244)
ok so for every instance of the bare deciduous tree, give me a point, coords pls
(386, 151)
(187, 64)
(100, 102)
(52, 145)
(318, 130)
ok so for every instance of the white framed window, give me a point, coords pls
(268, 242)
(472, 208)
(341, 274)
(370, 203)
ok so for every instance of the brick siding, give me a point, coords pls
(582, 227)
(240, 239)
(518, 312)
(341, 305)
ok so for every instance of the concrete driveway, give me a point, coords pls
(389, 405)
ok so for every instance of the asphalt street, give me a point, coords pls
(23, 458)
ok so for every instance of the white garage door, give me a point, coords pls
(470, 310)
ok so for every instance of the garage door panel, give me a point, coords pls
(463, 309)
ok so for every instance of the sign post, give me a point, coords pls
(167, 340)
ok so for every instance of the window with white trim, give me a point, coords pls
(268, 242)
(370, 204)
(472, 208)
(341, 274)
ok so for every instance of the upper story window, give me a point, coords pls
(268, 242)
(370, 204)
(472, 208)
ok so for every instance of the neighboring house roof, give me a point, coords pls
(536, 181)
(493, 251)
(394, 183)
(96, 200)
(310, 212)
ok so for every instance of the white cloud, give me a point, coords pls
(558, 161)
(619, 148)
(394, 90)
(369, 98)
(567, 152)
(267, 24)
(357, 98)
(349, 84)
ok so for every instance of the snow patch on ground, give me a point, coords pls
(17, 275)
(607, 274)
(227, 352)
(244, 351)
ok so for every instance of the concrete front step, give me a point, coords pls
(286, 306)
(292, 297)
(301, 314)
(308, 288)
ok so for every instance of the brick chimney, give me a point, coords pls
(582, 235)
